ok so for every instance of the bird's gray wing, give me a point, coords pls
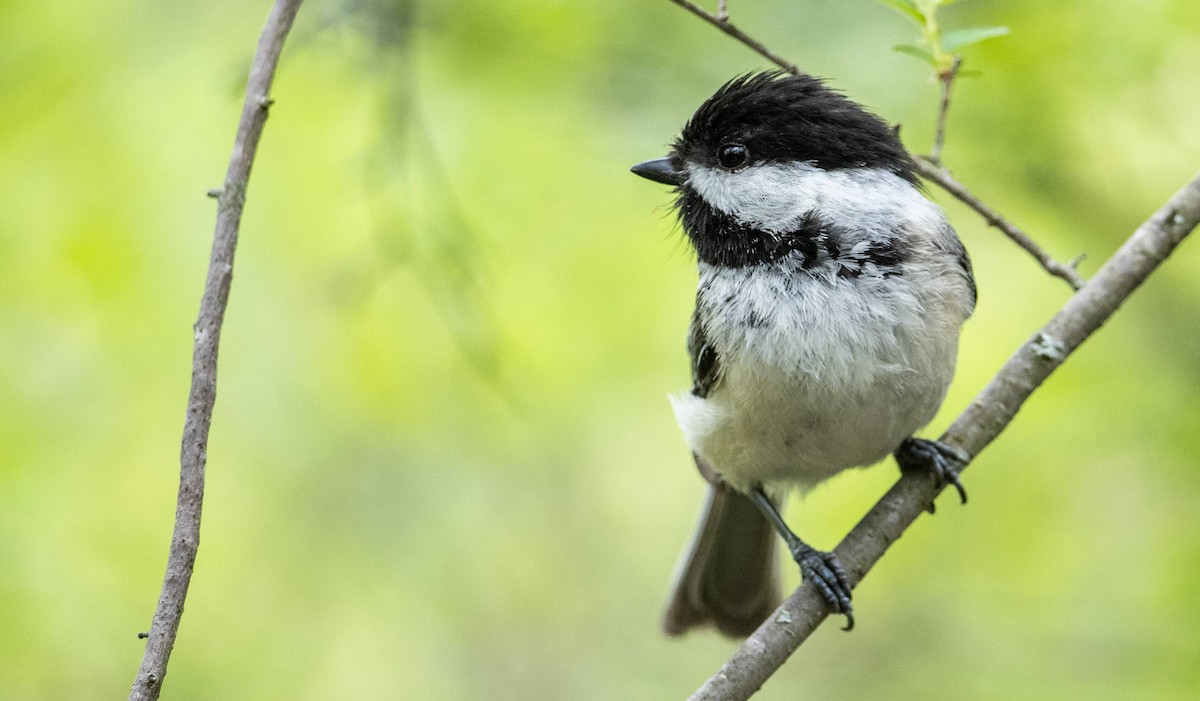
(949, 242)
(706, 363)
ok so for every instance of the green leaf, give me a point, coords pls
(959, 38)
(916, 52)
(909, 9)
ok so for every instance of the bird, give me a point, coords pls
(831, 295)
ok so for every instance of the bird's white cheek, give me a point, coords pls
(774, 196)
(760, 195)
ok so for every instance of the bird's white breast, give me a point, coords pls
(817, 374)
(820, 370)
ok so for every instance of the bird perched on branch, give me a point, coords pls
(825, 332)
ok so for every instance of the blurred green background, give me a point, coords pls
(442, 464)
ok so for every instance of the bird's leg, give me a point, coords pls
(820, 568)
(933, 457)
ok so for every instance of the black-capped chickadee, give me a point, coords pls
(826, 326)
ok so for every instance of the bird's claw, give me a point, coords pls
(937, 458)
(828, 576)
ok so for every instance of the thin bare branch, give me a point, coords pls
(231, 198)
(723, 23)
(942, 177)
(930, 167)
(983, 420)
(946, 80)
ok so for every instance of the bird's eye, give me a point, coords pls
(732, 156)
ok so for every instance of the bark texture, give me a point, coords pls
(231, 198)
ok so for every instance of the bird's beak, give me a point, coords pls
(660, 170)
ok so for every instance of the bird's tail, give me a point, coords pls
(729, 573)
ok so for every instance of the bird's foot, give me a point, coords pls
(936, 458)
(827, 575)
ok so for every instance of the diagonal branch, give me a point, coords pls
(931, 171)
(983, 420)
(231, 198)
(721, 21)
(929, 168)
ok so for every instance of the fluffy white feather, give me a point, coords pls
(822, 372)
(775, 196)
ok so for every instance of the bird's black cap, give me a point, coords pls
(782, 117)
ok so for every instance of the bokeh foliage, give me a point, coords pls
(442, 464)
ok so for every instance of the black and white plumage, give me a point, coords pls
(826, 326)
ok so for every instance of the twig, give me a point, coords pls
(990, 412)
(722, 22)
(185, 539)
(927, 167)
(946, 79)
(930, 171)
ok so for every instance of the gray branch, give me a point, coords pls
(721, 21)
(946, 80)
(185, 540)
(987, 415)
(930, 170)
